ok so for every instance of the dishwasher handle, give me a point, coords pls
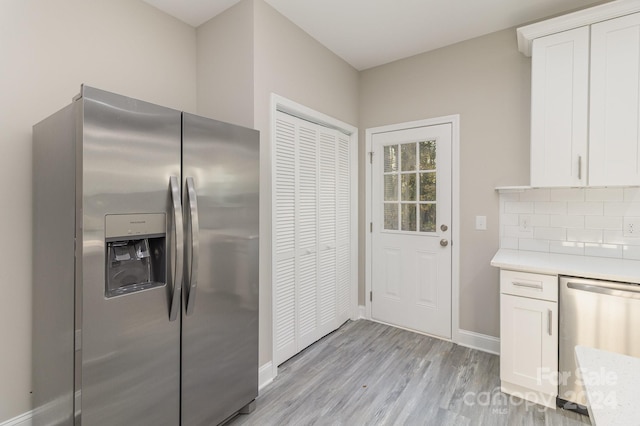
(630, 291)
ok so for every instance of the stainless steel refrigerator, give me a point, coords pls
(145, 294)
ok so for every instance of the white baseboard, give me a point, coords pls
(362, 312)
(265, 375)
(21, 420)
(479, 341)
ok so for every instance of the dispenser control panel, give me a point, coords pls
(130, 225)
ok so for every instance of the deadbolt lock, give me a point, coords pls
(443, 227)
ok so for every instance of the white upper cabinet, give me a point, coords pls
(559, 108)
(614, 138)
(585, 99)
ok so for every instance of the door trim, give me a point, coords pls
(454, 120)
(282, 104)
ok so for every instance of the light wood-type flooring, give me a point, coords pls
(367, 373)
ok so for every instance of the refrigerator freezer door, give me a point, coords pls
(220, 328)
(130, 354)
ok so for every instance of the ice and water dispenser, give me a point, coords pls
(135, 252)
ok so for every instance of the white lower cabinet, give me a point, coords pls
(529, 336)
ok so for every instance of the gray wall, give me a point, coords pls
(225, 66)
(487, 81)
(48, 49)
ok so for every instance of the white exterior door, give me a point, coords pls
(411, 216)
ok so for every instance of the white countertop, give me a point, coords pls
(611, 384)
(603, 268)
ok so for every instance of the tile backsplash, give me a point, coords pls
(582, 221)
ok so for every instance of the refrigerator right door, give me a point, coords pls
(220, 178)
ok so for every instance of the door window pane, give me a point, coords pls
(391, 188)
(409, 178)
(427, 218)
(391, 216)
(408, 187)
(428, 186)
(428, 155)
(391, 158)
(409, 217)
(408, 152)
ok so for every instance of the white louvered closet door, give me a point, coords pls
(283, 252)
(343, 227)
(307, 235)
(311, 240)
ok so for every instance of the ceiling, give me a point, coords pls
(367, 33)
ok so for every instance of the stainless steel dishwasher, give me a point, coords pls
(599, 314)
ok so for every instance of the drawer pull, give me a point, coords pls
(549, 321)
(527, 284)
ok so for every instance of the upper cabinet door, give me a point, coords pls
(559, 108)
(615, 110)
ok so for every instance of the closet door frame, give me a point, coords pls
(282, 104)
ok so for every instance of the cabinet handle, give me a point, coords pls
(549, 321)
(528, 285)
(580, 167)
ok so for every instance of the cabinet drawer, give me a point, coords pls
(536, 286)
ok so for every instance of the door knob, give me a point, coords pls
(444, 242)
(443, 227)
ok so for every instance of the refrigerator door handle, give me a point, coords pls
(195, 245)
(178, 247)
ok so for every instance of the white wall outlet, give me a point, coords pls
(525, 222)
(631, 227)
(481, 223)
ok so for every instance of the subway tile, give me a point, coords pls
(556, 234)
(509, 196)
(586, 208)
(622, 209)
(566, 247)
(603, 250)
(632, 195)
(516, 232)
(510, 219)
(509, 243)
(565, 221)
(631, 252)
(533, 245)
(567, 194)
(603, 222)
(604, 194)
(611, 236)
(540, 220)
(585, 235)
(551, 207)
(617, 237)
(535, 195)
(518, 207)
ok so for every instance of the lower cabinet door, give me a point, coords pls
(529, 343)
